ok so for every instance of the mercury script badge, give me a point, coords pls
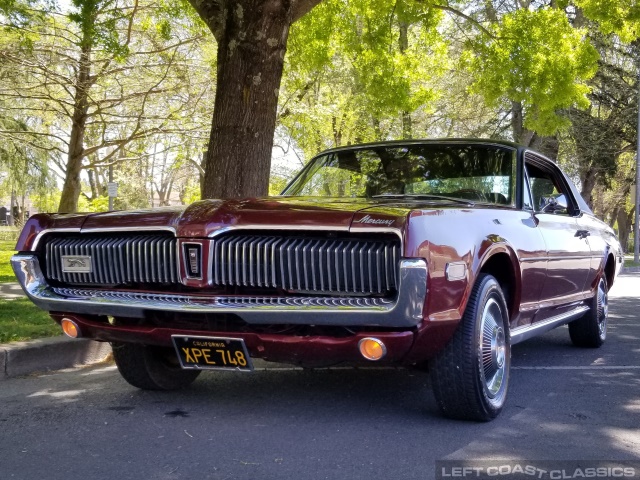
(76, 263)
(375, 221)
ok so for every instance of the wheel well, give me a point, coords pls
(610, 270)
(500, 267)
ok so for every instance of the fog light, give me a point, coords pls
(70, 328)
(372, 348)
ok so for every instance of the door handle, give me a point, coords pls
(582, 233)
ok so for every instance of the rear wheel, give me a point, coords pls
(471, 375)
(151, 368)
(590, 330)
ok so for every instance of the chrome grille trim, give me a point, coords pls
(224, 301)
(306, 264)
(122, 260)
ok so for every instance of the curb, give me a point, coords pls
(630, 270)
(47, 354)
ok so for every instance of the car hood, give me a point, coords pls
(206, 217)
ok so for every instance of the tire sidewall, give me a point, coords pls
(490, 289)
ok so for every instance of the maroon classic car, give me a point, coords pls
(439, 253)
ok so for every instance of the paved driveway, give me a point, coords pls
(564, 403)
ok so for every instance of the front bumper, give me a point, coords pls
(312, 351)
(403, 312)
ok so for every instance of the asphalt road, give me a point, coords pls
(564, 403)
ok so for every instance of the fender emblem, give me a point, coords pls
(375, 221)
(76, 263)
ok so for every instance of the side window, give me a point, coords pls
(543, 184)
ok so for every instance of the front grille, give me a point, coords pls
(303, 264)
(317, 265)
(115, 260)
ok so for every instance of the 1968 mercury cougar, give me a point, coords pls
(441, 253)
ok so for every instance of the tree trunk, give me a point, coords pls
(549, 146)
(625, 221)
(92, 184)
(403, 46)
(588, 180)
(72, 187)
(517, 121)
(250, 60)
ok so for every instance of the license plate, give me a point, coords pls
(212, 353)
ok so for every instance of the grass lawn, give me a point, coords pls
(22, 320)
(628, 261)
(19, 318)
(6, 251)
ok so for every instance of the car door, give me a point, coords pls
(568, 252)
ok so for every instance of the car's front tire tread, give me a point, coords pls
(455, 372)
(586, 331)
(148, 368)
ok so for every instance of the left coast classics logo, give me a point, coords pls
(375, 221)
(76, 263)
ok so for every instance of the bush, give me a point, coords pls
(9, 234)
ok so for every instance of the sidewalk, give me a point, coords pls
(10, 291)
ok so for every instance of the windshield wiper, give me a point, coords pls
(422, 196)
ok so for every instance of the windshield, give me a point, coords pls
(481, 173)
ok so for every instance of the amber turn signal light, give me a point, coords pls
(70, 328)
(372, 348)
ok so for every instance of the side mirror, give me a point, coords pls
(554, 204)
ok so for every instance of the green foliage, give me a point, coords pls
(349, 75)
(24, 166)
(539, 59)
(47, 201)
(191, 193)
(99, 204)
(20, 13)
(277, 184)
(21, 320)
(98, 29)
(621, 17)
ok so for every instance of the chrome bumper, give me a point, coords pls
(404, 311)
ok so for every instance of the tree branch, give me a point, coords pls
(301, 7)
(212, 13)
(458, 13)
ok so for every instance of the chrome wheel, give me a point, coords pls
(470, 376)
(603, 308)
(492, 349)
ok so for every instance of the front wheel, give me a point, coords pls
(590, 330)
(151, 368)
(471, 375)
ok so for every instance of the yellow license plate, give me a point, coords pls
(212, 353)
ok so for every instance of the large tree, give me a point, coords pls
(105, 81)
(252, 39)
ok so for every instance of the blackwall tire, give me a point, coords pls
(151, 368)
(590, 330)
(470, 377)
